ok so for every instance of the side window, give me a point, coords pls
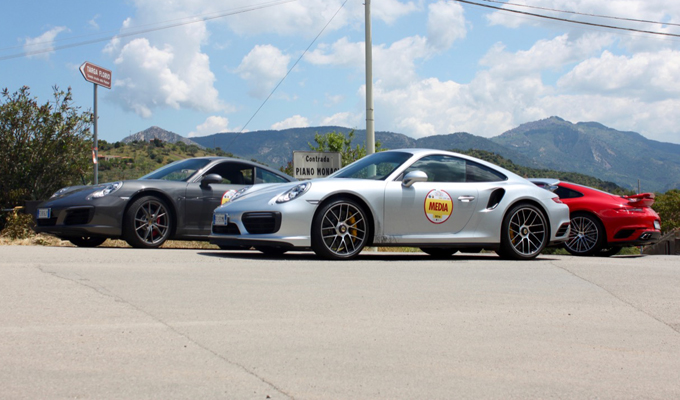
(233, 173)
(564, 193)
(440, 168)
(480, 173)
(264, 176)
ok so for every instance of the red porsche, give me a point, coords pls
(602, 223)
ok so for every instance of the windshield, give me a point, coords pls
(377, 166)
(178, 171)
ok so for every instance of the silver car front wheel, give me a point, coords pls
(340, 230)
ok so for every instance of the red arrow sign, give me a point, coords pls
(95, 74)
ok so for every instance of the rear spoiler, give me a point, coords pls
(640, 200)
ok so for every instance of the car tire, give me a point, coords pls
(586, 236)
(439, 252)
(147, 223)
(524, 233)
(87, 241)
(340, 229)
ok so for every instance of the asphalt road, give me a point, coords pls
(199, 324)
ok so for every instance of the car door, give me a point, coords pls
(436, 211)
(202, 199)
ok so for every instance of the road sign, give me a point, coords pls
(312, 164)
(96, 74)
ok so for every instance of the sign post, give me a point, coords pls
(99, 77)
(313, 164)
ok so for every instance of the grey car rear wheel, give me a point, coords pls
(148, 223)
(340, 230)
(524, 233)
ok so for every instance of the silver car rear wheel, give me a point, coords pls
(340, 230)
(524, 233)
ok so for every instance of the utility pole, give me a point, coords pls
(370, 129)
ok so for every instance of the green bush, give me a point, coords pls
(18, 226)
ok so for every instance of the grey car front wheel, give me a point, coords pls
(147, 223)
(340, 230)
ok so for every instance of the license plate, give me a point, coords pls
(44, 213)
(220, 219)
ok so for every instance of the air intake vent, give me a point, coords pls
(262, 222)
(78, 216)
(495, 199)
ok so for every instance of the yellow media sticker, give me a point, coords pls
(228, 195)
(438, 206)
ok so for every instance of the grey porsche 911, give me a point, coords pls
(439, 201)
(173, 202)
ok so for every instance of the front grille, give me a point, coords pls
(78, 216)
(47, 222)
(562, 230)
(623, 233)
(230, 229)
(262, 222)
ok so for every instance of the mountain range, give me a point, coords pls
(553, 143)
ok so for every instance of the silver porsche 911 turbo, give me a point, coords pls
(438, 201)
(173, 202)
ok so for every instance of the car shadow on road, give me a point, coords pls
(364, 256)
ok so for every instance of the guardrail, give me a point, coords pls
(669, 244)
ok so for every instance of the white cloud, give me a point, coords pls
(649, 76)
(445, 24)
(213, 124)
(263, 68)
(149, 77)
(345, 119)
(93, 22)
(43, 45)
(391, 10)
(296, 121)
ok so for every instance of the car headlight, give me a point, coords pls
(60, 192)
(105, 191)
(294, 192)
(236, 195)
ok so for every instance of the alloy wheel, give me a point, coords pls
(152, 222)
(343, 229)
(584, 236)
(527, 231)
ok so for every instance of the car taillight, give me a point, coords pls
(557, 200)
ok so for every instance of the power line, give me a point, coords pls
(149, 30)
(569, 20)
(580, 13)
(285, 76)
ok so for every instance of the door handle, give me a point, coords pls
(466, 199)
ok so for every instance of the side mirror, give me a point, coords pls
(413, 177)
(210, 179)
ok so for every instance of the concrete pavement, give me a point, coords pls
(175, 324)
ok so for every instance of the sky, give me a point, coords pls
(199, 67)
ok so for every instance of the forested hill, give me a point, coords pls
(120, 161)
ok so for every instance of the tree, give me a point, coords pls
(667, 205)
(42, 147)
(338, 142)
